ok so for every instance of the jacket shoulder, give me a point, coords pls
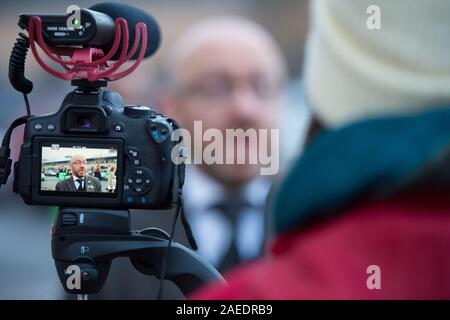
(62, 182)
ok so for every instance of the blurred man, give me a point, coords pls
(365, 213)
(79, 181)
(228, 73)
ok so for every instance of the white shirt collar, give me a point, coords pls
(202, 192)
(76, 182)
(212, 231)
(75, 178)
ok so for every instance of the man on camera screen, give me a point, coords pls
(79, 181)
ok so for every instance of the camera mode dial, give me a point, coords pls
(137, 111)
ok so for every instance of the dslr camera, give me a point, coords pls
(96, 157)
(97, 152)
(94, 151)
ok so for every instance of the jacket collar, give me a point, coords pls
(374, 158)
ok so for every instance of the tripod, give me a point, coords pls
(85, 241)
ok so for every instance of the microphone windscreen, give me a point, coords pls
(133, 16)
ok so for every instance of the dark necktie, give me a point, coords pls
(231, 208)
(80, 184)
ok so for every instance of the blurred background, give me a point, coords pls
(26, 265)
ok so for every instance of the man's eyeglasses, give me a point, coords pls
(221, 88)
(78, 163)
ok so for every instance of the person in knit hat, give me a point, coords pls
(365, 211)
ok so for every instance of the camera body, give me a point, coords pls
(122, 154)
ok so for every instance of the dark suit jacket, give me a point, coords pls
(92, 184)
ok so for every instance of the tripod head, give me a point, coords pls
(85, 241)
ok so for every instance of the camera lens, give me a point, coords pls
(83, 122)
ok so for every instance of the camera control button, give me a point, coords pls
(38, 126)
(138, 180)
(138, 189)
(136, 162)
(136, 111)
(126, 187)
(51, 127)
(138, 172)
(142, 200)
(129, 200)
(158, 131)
(133, 152)
(118, 127)
(130, 180)
(68, 219)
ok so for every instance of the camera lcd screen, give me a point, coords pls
(78, 169)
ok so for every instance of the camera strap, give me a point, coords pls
(179, 211)
(5, 151)
(188, 230)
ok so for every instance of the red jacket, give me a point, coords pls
(329, 237)
(408, 237)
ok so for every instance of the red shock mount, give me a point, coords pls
(90, 63)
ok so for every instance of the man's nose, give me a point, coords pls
(244, 104)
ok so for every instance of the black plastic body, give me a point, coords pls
(96, 28)
(93, 241)
(141, 136)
